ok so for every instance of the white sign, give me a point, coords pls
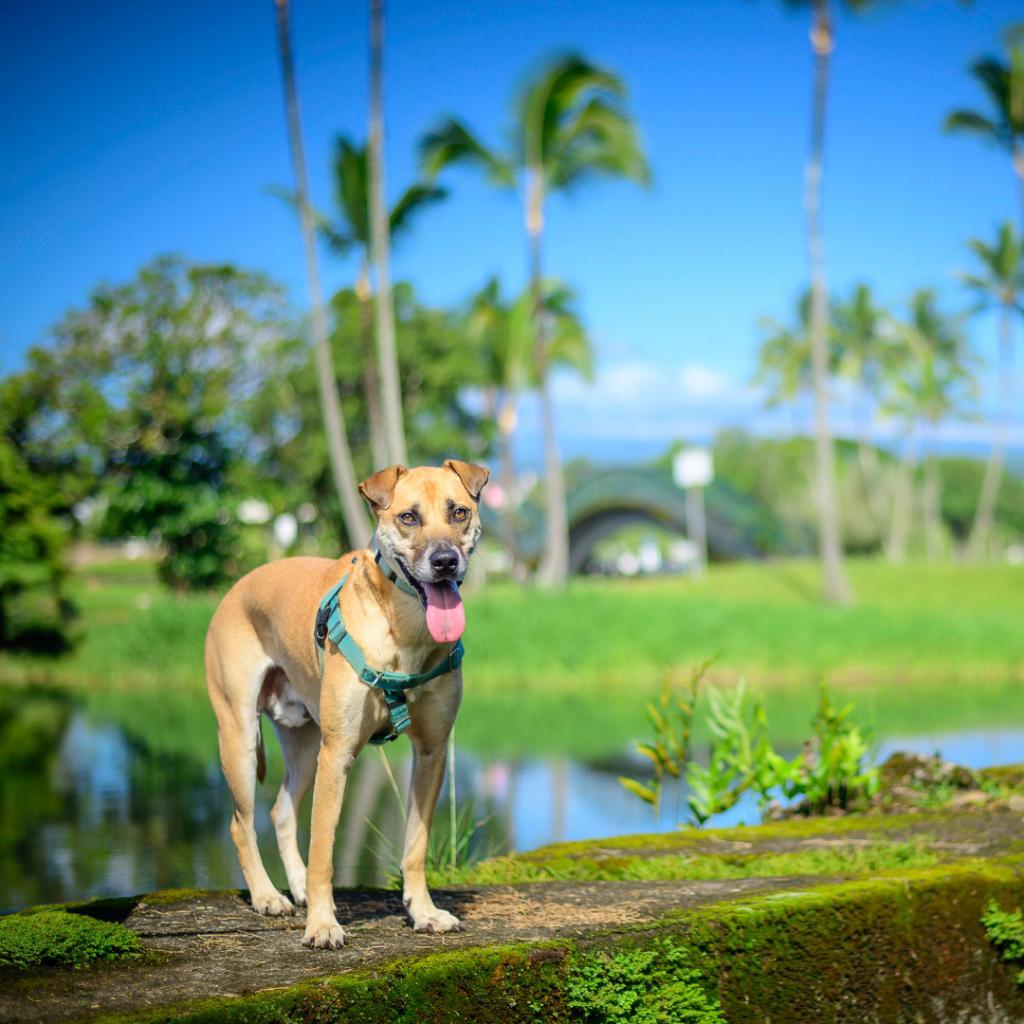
(693, 467)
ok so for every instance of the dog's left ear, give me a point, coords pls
(379, 489)
(473, 477)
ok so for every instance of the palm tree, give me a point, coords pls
(387, 354)
(836, 588)
(504, 332)
(863, 337)
(571, 125)
(930, 379)
(356, 525)
(350, 230)
(1004, 124)
(1000, 285)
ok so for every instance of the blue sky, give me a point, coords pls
(135, 129)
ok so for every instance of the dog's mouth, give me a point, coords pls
(442, 603)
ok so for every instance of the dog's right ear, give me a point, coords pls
(379, 489)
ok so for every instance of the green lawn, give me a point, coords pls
(926, 646)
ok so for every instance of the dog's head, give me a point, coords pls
(428, 523)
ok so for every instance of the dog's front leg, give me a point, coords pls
(333, 766)
(428, 765)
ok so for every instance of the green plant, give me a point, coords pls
(55, 938)
(832, 770)
(1005, 930)
(741, 756)
(640, 986)
(672, 721)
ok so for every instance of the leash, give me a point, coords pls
(331, 626)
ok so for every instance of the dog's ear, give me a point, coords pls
(473, 477)
(379, 489)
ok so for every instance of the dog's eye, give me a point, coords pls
(459, 514)
(409, 518)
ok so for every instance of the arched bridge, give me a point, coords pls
(601, 501)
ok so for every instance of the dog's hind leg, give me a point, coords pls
(234, 686)
(300, 746)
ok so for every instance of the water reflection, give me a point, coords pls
(97, 803)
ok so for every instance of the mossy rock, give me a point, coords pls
(846, 941)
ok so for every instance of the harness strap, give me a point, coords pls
(389, 571)
(331, 626)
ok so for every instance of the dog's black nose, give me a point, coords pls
(444, 561)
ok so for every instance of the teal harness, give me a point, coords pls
(331, 626)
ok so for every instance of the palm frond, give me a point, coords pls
(340, 242)
(970, 121)
(414, 199)
(451, 142)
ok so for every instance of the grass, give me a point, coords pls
(569, 672)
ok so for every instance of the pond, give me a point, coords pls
(94, 806)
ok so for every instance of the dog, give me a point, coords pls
(262, 657)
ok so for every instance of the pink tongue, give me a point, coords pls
(446, 617)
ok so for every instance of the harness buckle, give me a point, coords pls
(372, 676)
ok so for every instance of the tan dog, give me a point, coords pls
(261, 657)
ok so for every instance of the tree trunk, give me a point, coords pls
(836, 588)
(931, 502)
(387, 355)
(902, 505)
(371, 378)
(506, 420)
(978, 539)
(554, 564)
(353, 513)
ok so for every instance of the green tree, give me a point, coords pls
(571, 125)
(143, 387)
(503, 330)
(930, 380)
(863, 333)
(33, 540)
(1003, 125)
(1000, 286)
(356, 523)
(440, 364)
(349, 231)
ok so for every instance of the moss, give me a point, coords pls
(704, 840)
(1011, 775)
(640, 985)
(849, 860)
(56, 938)
(168, 897)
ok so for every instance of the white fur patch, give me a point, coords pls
(286, 708)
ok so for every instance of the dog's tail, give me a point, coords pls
(261, 754)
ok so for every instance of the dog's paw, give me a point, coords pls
(272, 904)
(324, 936)
(298, 897)
(436, 921)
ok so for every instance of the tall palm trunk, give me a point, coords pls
(985, 513)
(931, 506)
(902, 503)
(554, 566)
(506, 419)
(387, 355)
(352, 512)
(836, 588)
(371, 379)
